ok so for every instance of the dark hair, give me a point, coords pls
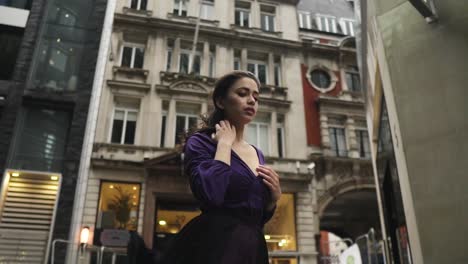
(220, 91)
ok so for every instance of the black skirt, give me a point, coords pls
(220, 237)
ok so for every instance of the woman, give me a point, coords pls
(237, 192)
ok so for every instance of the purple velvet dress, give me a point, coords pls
(233, 201)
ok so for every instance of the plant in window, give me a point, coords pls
(122, 205)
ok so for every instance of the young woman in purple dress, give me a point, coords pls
(237, 192)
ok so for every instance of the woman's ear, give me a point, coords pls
(219, 103)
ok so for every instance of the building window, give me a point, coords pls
(326, 23)
(10, 42)
(353, 81)
(138, 4)
(237, 59)
(258, 133)
(124, 126)
(118, 206)
(180, 8)
(363, 143)
(163, 129)
(184, 122)
(259, 69)
(320, 78)
(207, 9)
(242, 14)
(304, 20)
(347, 26)
(277, 74)
(132, 57)
(280, 231)
(267, 16)
(60, 50)
(280, 136)
(40, 140)
(184, 61)
(338, 141)
(186, 119)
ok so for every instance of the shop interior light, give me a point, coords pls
(84, 235)
(15, 174)
(162, 222)
(267, 237)
(54, 178)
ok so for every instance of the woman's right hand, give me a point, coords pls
(225, 133)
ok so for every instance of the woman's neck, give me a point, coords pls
(239, 134)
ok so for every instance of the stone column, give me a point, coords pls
(175, 56)
(205, 60)
(274, 136)
(306, 226)
(171, 125)
(350, 135)
(271, 69)
(244, 59)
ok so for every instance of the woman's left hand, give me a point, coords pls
(271, 179)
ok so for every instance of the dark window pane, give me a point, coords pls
(246, 19)
(196, 65)
(130, 132)
(143, 4)
(237, 18)
(169, 60)
(40, 142)
(251, 68)
(277, 75)
(139, 57)
(236, 65)
(262, 73)
(180, 128)
(263, 22)
(184, 62)
(117, 131)
(280, 142)
(163, 130)
(126, 57)
(321, 78)
(134, 4)
(192, 122)
(10, 41)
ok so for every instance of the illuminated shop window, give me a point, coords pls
(118, 206)
(280, 231)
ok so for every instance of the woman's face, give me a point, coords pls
(241, 102)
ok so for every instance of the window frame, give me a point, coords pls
(133, 46)
(187, 117)
(124, 126)
(188, 52)
(308, 23)
(281, 141)
(256, 63)
(277, 74)
(138, 5)
(347, 24)
(264, 15)
(204, 11)
(241, 16)
(257, 125)
(116, 182)
(181, 7)
(359, 139)
(328, 19)
(336, 152)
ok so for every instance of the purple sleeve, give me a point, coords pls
(208, 178)
(267, 215)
